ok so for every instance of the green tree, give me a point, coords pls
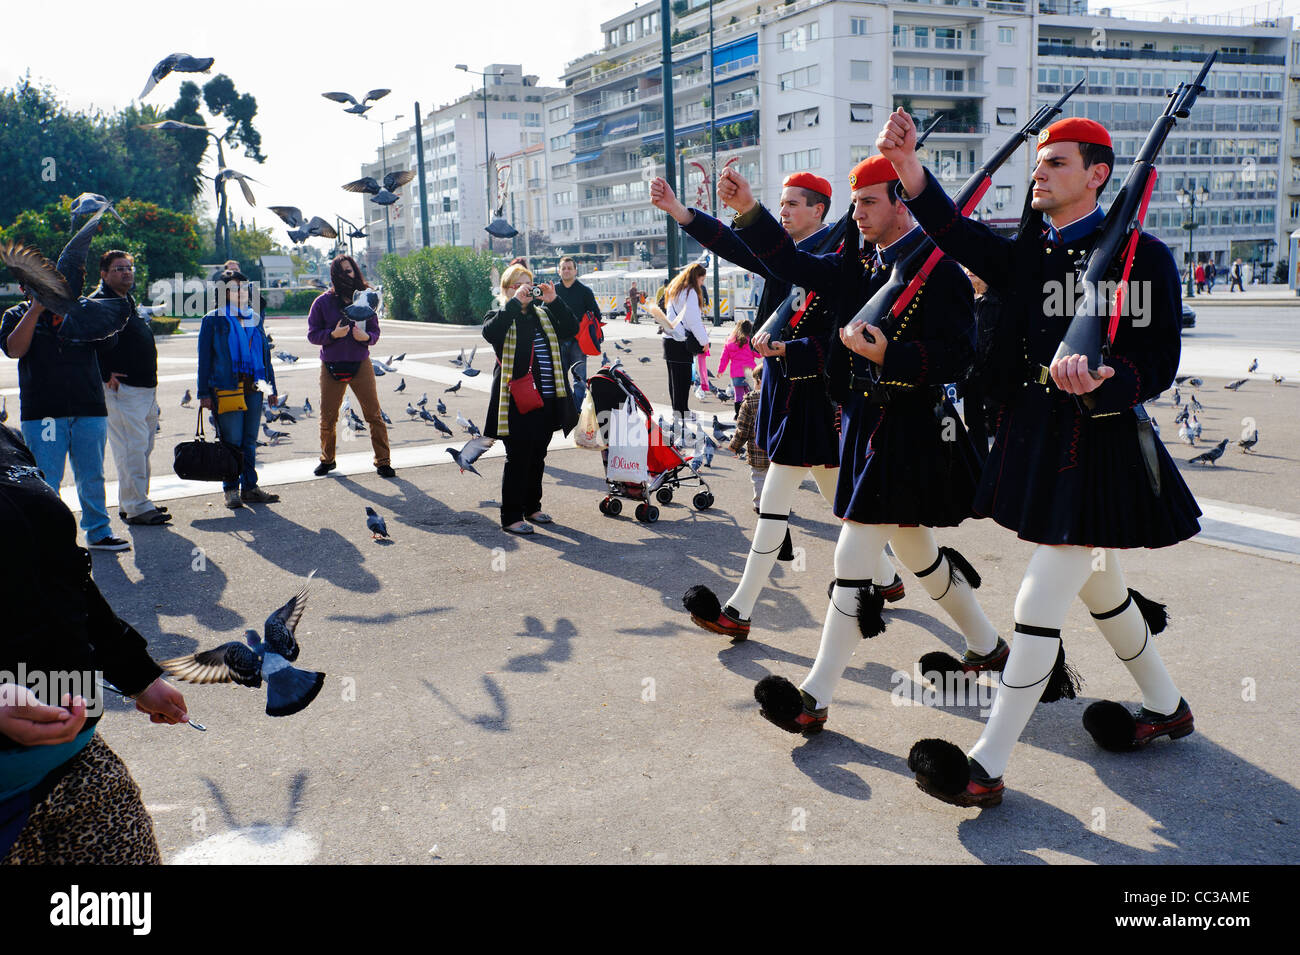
(161, 241)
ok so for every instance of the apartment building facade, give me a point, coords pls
(456, 178)
(806, 85)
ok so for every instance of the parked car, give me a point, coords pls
(1189, 317)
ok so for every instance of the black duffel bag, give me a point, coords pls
(202, 460)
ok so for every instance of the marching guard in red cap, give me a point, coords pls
(906, 464)
(797, 422)
(1073, 468)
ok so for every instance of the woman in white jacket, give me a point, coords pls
(684, 299)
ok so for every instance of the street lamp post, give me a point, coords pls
(383, 160)
(713, 160)
(1188, 199)
(487, 162)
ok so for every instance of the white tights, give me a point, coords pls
(854, 558)
(1052, 579)
(778, 494)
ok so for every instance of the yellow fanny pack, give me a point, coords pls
(230, 399)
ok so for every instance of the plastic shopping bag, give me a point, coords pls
(629, 440)
(586, 434)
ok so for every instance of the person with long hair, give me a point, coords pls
(738, 357)
(345, 363)
(234, 355)
(525, 334)
(685, 298)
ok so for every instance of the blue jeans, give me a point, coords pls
(571, 354)
(240, 429)
(52, 441)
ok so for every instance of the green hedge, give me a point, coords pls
(296, 302)
(446, 284)
(166, 325)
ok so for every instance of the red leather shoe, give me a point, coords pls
(728, 623)
(894, 592)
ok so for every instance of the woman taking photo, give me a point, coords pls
(345, 362)
(234, 355)
(687, 338)
(532, 403)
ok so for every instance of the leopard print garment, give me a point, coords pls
(94, 815)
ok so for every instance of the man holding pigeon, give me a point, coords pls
(345, 362)
(128, 365)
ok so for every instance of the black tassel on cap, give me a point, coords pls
(1064, 682)
(1156, 616)
(959, 568)
(871, 606)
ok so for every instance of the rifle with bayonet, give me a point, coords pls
(1112, 253)
(890, 300)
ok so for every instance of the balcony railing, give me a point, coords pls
(902, 44)
(942, 86)
(736, 66)
(1185, 56)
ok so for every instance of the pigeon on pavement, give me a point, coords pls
(376, 524)
(1212, 455)
(185, 401)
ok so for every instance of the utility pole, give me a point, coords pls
(713, 161)
(424, 195)
(670, 139)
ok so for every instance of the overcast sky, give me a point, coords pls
(286, 55)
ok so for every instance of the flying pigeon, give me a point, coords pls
(228, 174)
(58, 287)
(288, 689)
(1212, 455)
(283, 417)
(185, 401)
(376, 524)
(1248, 441)
(378, 366)
(1234, 385)
(284, 356)
(442, 406)
(459, 359)
(358, 108)
(401, 357)
(438, 423)
(365, 306)
(386, 194)
(300, 228)
(88, 203)
(1254, 365)
(176, 63)
(471, 452)
(275, 436)
(386, 366)
(401, 386)
(469, 371)
(453, 389)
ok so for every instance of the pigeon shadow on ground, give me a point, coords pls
(296, 790)
(385, 619)
(559, 651)
(498, 722)
(297, 550)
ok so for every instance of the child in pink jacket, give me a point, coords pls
(741, 357)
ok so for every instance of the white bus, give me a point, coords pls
(738, 290)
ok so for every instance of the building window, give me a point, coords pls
(859, 26)
(859, 153)
(559, 113)
(1125, 44)
(861, 113)
(921, 37)
(1006, 76)
(1007, 36)
(797, 79)
(532, 119)
(810, 117)
(1059, 41)
(859, 70)
(945, 38)
(800, 37)
(785, 122)
(1295, 210)
(1006, 116)
(803, 159)
(1002, 196)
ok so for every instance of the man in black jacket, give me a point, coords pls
(63, 411)
(581, 301)
(128, 363)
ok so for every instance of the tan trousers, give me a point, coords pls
(363, 385)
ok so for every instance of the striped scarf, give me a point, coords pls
(508, 362)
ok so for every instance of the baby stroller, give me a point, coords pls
(668, 470)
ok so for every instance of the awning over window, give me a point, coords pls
(585, 157)
(585, 127)
(735, 50)
(621, 127)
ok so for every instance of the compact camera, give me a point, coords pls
(536, 292)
